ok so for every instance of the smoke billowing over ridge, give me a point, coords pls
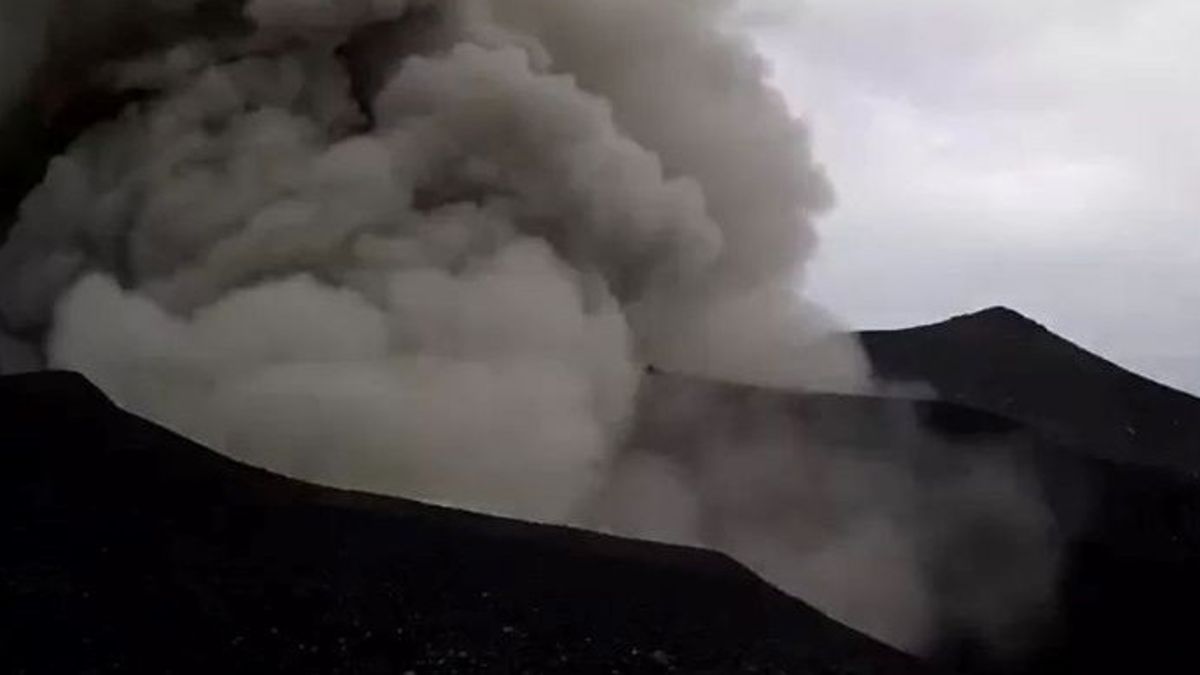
(428, 249)
(398, 212)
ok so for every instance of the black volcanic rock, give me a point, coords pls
(1000, 361)
(129, 549)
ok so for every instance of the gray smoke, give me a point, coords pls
(22, 26)
(428, 248)
(851, 504)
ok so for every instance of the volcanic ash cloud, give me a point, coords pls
(420, 248)
(429, 248)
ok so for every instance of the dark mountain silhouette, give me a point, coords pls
(1000, 361)
(1116, 457)
(129, 549)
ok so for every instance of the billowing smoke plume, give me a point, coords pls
(429, 248)
(423, 249)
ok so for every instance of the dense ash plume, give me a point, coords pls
(428, 249)
(505, 224)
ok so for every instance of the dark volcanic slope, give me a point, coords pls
(1117, 456)
(128, 549)
(1126, 536)
(1000, 361)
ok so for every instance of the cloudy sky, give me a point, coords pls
(1040, 154)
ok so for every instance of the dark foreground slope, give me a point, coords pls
(128, 549)
(1001, 361)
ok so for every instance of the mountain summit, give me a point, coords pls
(1000, 361)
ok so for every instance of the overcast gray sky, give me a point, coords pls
(1040, 154)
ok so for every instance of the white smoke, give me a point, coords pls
(476, 264)
(428, 249)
